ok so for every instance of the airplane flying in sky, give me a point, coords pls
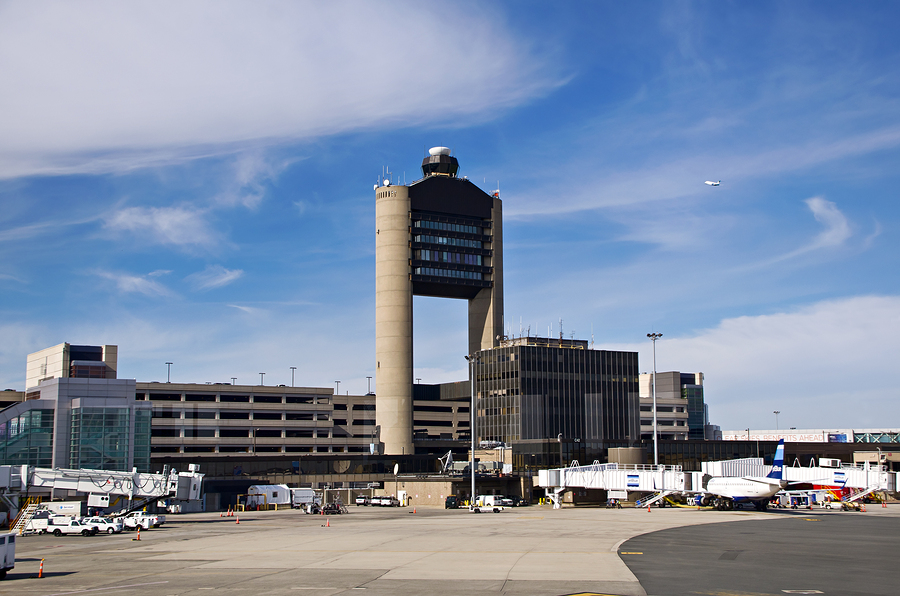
(724, 492)
(711, 183)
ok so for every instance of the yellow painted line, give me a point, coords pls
(626, 553)
(810, 519)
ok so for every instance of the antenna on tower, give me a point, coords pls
(560, 331)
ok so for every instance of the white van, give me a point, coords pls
(493, 501)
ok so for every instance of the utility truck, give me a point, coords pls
(301, 497)
(7, 553)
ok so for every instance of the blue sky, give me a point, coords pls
(193, 182)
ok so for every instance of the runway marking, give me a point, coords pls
(109, 588)
(629, 553)
(589, 594)
(807, 519)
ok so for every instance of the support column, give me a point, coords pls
(393, 320)
(486, 308)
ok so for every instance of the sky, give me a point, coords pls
(193, 182)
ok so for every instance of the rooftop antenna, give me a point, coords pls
(560, 331)
(592, 336)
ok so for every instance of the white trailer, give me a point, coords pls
(7, 553)
(268, 494)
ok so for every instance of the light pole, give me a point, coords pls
(262, 378)
(653, 337)
(293, 368)
(337, 385)
(776, 412)
(471, 360)
(168, 372)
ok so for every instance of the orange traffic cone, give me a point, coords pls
(237, 520)
(414, 509)
(327, 523)
(648, 509)
(863, 507)
(41, 570)
(138, 535)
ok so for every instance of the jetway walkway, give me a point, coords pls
(19, 481)
(863, 479)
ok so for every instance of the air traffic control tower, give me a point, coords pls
(440, 236)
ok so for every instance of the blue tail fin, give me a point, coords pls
(778, 464)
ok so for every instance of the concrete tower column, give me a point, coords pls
(393, 319)
(486, 308)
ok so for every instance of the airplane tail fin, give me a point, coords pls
(778, 464)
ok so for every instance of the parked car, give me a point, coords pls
(104, 524)
(519, 502)
(362, 500)
(451, 502)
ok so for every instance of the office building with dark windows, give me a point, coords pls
(439, 236)
(540, 389)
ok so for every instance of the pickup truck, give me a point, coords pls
(73, 526)
(142, 519)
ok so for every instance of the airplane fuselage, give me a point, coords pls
(743, 489)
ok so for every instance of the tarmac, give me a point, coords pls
(530, 550)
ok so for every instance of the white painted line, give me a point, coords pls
(109, 588)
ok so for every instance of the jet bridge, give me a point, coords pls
(612, 477)
(663, 480)
(30, 481)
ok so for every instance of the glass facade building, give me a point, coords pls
(100, 438)
(27, 439)
(537, 388)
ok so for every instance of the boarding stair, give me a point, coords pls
(856, 495)
(136, 506)
(31, 507)
(653, 499)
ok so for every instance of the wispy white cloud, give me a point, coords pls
(89, 96)
(214, 276)
(809, 363)
(179, 226)
(837, 231)
(251, 171)
(677, 177)
(136, 284)
(837, 228)
(250, 310)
